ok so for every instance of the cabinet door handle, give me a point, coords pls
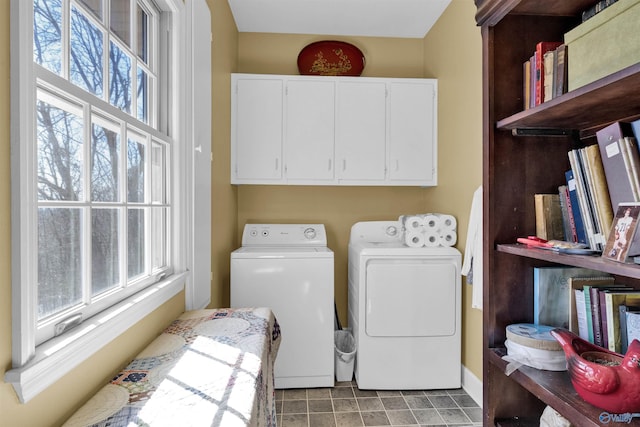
(277, 163)
(397, 165)
(329, 165)
(344, 164)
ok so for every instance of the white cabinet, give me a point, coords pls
(256, 130)
(361, 131)
(309, 136)
(310, 130)
(412, 133)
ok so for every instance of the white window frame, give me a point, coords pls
(37, 367)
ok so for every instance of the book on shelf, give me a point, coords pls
(526, 85)
(587, 210)
(613, 301)
(574, 208)
(549, 225)
(541, 48)
(549, 67)
(581, 315)
(604, 319)
(599, 187)
(596, 315)
(560, 75)
(625, 331)
(635, 128)
(577, 308)
(589, 194)
(590, 326)
(622, 233)
(596, 8)
(552, 293)
(632, 326)
(595, 307)
(618, 169)
(568, 226)
(532, 81)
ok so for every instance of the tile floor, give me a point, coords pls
(345, 405)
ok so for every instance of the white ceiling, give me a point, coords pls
(374, 18)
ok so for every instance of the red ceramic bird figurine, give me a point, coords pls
(612, 383)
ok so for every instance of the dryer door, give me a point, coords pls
(411, 297)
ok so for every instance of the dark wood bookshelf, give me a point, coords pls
(525, 153)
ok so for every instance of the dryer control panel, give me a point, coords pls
(284, 235)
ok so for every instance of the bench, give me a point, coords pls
(211, 367)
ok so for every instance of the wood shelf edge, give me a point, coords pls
(594, 262)
(554, 389)
(580, 109)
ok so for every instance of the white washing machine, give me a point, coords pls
(404, 310)
(289, 268)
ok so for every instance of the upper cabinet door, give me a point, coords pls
(413, 132)
(361, 130)
(257, 125)
(310, 128)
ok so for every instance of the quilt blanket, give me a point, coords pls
(210, 367)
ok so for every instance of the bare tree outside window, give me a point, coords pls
(96, 219)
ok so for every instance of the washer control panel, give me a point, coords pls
(284, 235)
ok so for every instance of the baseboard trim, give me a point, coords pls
(472, 385)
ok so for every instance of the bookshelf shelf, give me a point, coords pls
(525, 153)
(586, 109)
(595, 262)
(548, 386)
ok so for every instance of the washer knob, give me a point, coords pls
(392, 231)
(310, 233)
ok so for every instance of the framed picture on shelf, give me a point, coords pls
(622, 231)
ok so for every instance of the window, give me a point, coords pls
(94, 119)
(102, 204)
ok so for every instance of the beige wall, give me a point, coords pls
(224, 196)
(451, 52)
(54, 405)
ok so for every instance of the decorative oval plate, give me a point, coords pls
(331, 58)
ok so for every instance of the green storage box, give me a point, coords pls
(604, 44)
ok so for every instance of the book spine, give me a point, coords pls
(526, 87)
(589, 317)
(600, 190)
(624, 342)
(581, 314)
(596, 319)
(541, 49)
(604, 335)
(548, 70)
(633, 325)
(567, 227)
(583, 201)
(561, 71)
(631, 147)
(581, 233)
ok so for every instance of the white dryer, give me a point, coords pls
(289, 268)
(404, 310)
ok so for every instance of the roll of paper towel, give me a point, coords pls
(448, 238)
(431, 222)
(413, 222)
(448, 222)
(431, 238)
(414, 239)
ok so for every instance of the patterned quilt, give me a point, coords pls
(208, 368)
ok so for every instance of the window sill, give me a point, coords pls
(59, 356)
